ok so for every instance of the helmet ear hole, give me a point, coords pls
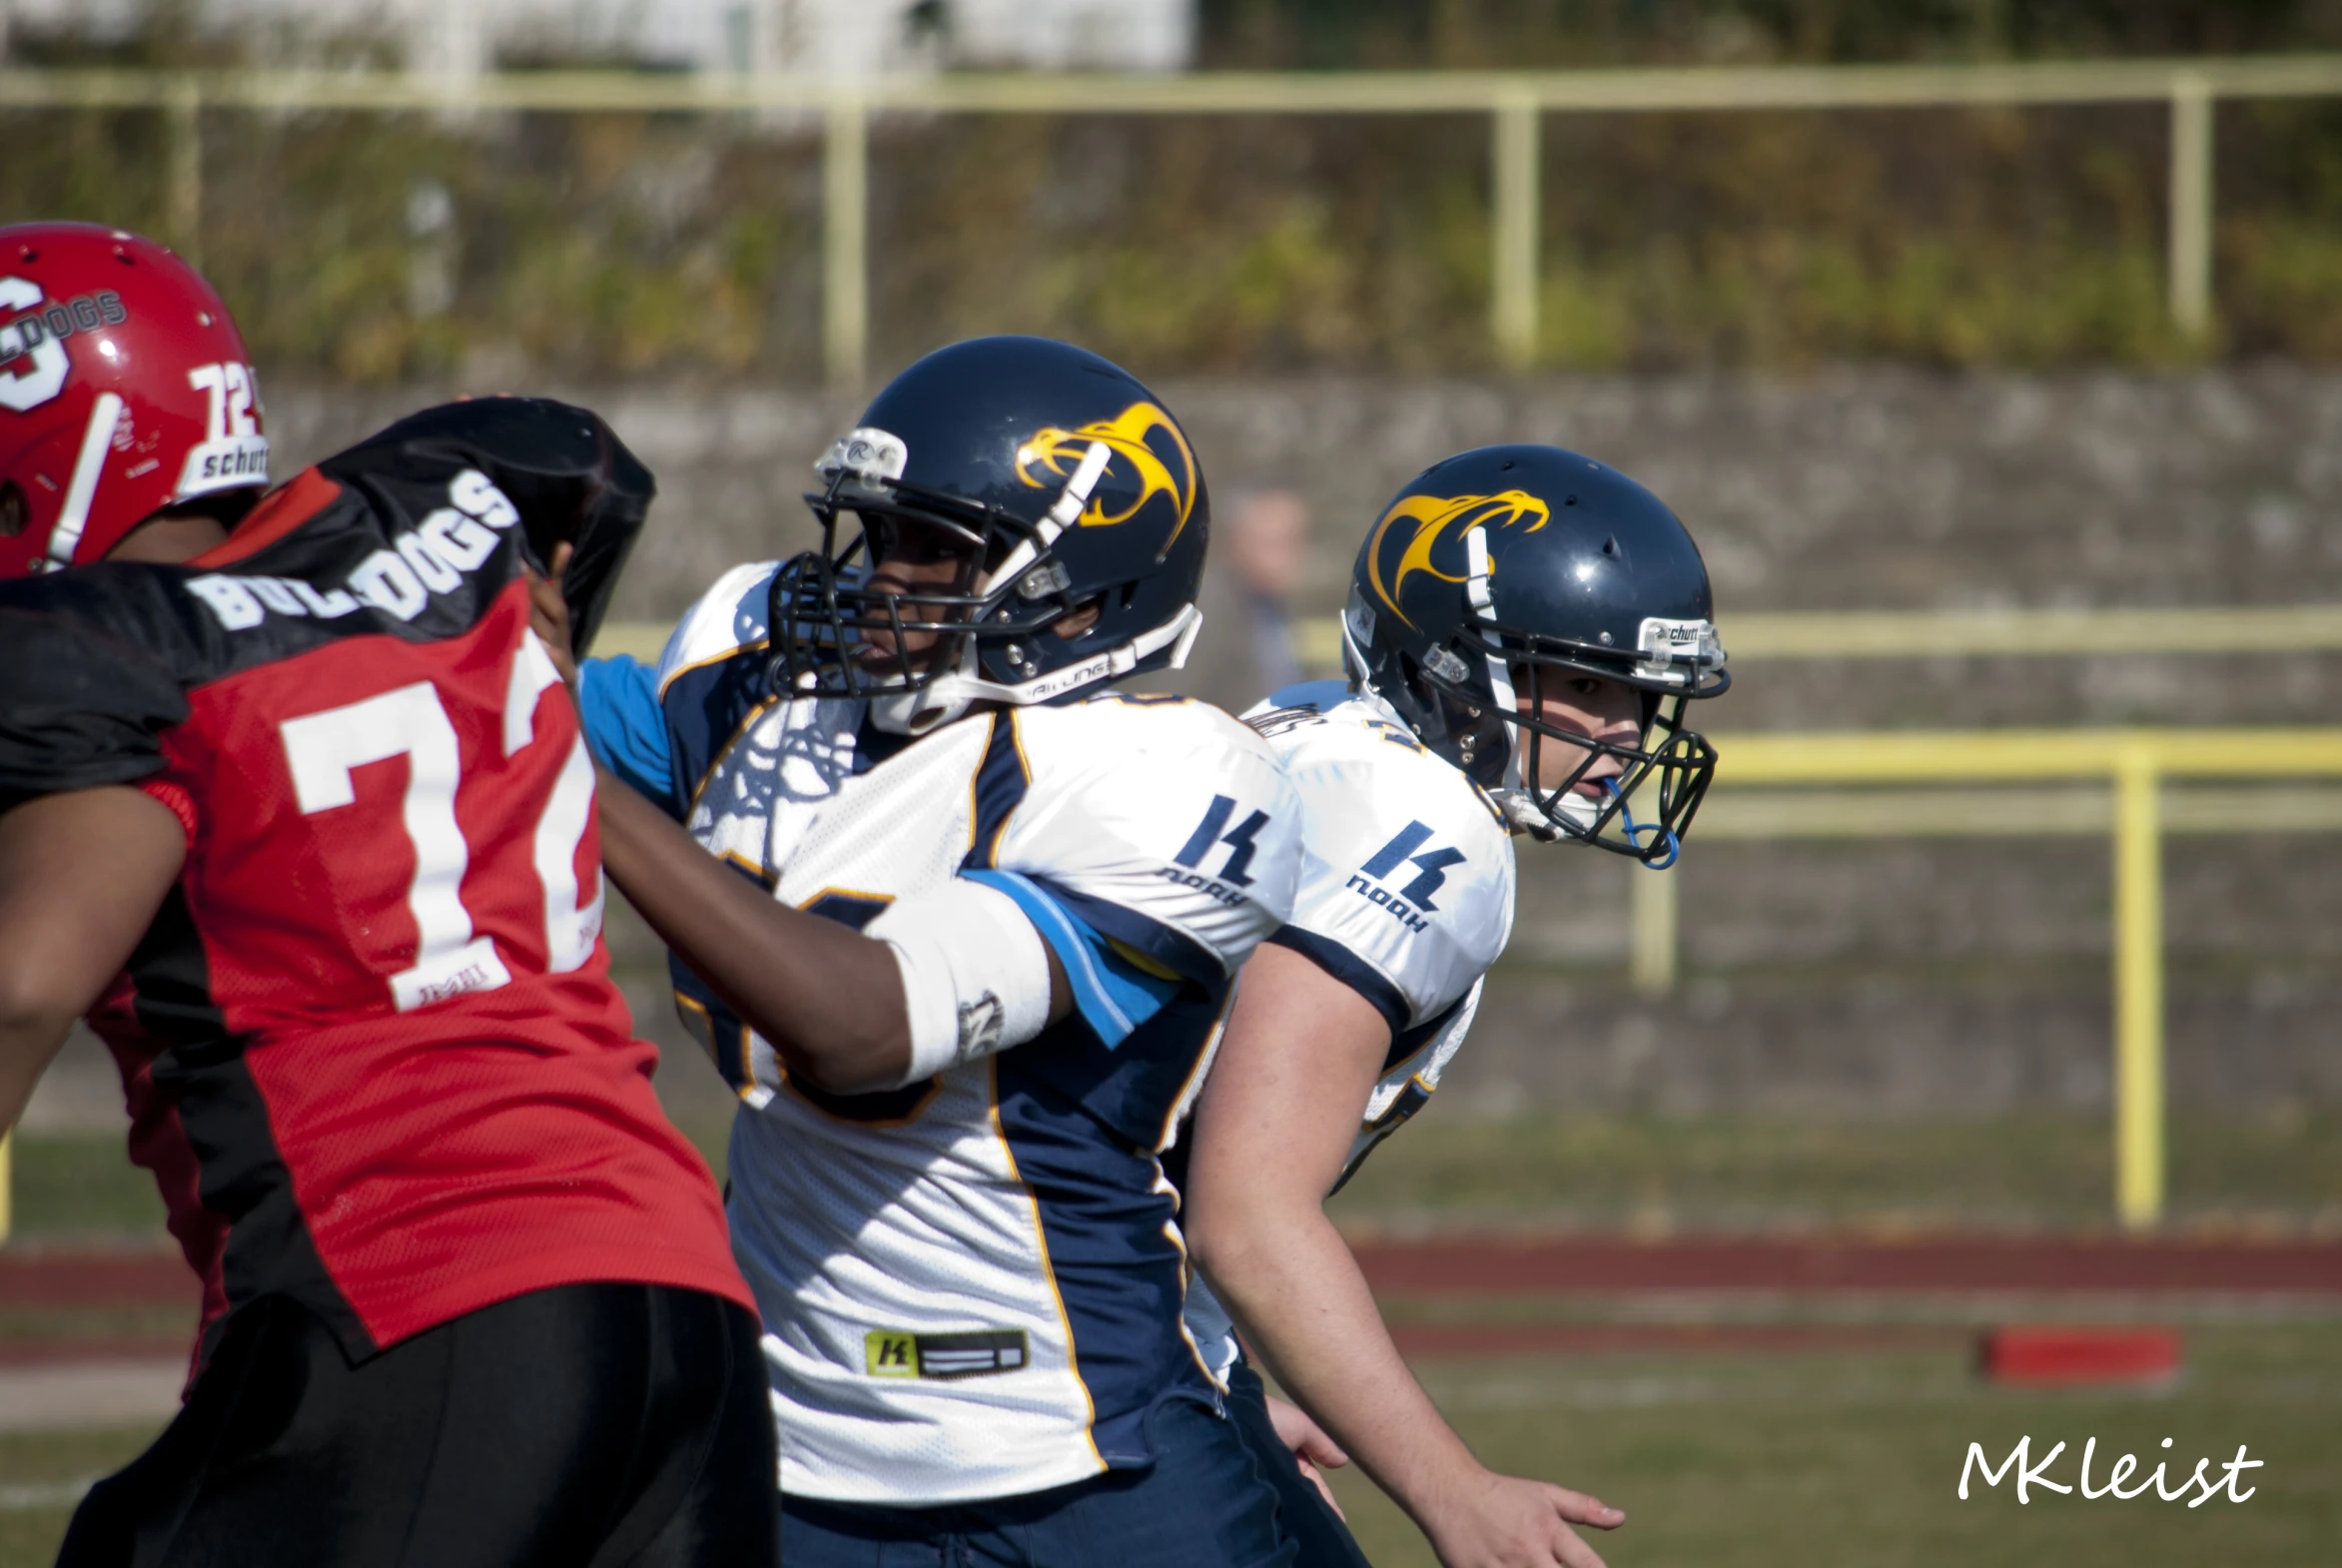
(1411, 672)
(1078, 620)
(14, 513)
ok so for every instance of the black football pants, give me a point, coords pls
(584, 1426)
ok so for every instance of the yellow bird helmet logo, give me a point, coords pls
(1411, 538)
(1150, 458)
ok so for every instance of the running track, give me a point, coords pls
(1593, 1265)
(1832, 1265)
(2299, 1272)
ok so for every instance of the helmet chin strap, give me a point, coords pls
(930, 706)
(940, 701)
(1061, 515)
(1483, 602)
(1482, 599)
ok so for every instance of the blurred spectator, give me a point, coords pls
(1266, 533)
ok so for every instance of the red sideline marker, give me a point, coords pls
(2037, 1357)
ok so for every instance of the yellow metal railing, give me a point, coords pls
(2273, 630)
(2131, 766)
(1514, 103)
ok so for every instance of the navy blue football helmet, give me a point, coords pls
(1061, 485)
(1498, 574)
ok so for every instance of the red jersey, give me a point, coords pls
(371, 1048)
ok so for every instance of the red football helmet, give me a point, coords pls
(124, 388)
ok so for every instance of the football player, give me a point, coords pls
(293, 807)
(960, 928)
(1525, 628)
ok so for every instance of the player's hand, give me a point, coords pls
(1503, 1521)
(1313, 1450)
(548, 616)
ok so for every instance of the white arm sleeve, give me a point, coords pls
(975, 974)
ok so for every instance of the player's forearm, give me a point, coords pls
(1287, 1277)
(828, 997)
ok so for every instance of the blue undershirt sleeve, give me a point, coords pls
(618, 703)
(1113, 992)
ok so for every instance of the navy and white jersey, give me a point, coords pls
(1406, 895)
(971, 1286)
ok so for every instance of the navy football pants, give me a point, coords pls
(1318, 1536)
(584, 1426)
(1201, 1504)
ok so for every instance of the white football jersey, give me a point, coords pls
(1406, 895)
(973, 1286)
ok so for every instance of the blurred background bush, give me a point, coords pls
(376, 248)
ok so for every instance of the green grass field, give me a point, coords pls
(2027, 1174)
(1855, 1459)
(1644, 1173)
(34, 1467)
(1794, 1459)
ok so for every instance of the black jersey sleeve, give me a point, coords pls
(78, 707)
(573, 479)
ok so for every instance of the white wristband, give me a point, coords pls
(975, 974)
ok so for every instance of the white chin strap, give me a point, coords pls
(943, 700)
(1522, 814)
(1477, 595)
(1520, 805)
(940, 701)
(913, 712)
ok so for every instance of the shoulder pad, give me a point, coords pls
(1406, 867)
(1301, 696)
(729, 618)
(1164, 823)
(561, 467)
(711, 675)
(79, 707)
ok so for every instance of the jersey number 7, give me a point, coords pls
(324, 749)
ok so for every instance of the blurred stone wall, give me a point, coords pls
(1958, 977)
